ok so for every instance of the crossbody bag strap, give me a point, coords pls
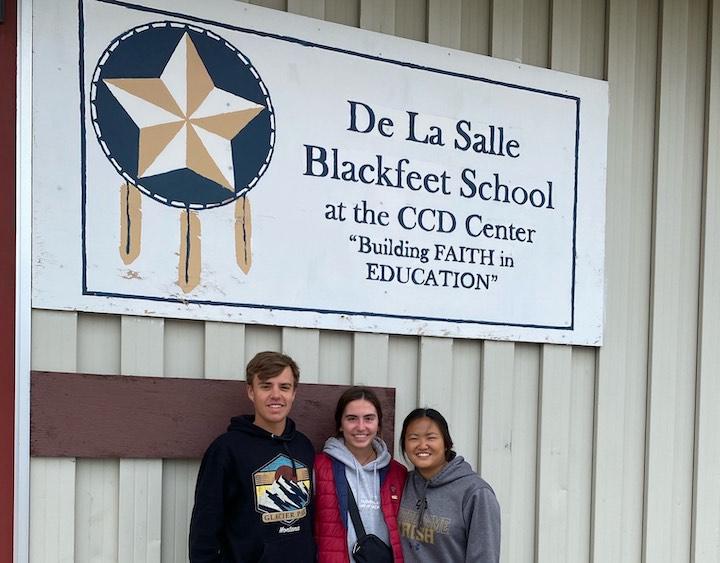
(355, 515)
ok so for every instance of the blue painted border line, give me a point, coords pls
(358, 54)
(306, 310)
(305, 43)
(83, 143)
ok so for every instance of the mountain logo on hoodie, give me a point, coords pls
(282, 490)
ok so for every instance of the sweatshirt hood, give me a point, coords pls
(457, 469)
(363, 479)
(245, 424)
(336, 448)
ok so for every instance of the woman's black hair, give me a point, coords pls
(438, 419)
(355, 394)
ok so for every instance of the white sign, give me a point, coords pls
(220, 161)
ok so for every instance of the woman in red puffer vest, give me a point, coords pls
(357, 458)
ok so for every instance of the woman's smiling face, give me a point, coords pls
(425, 447)
(359, 426)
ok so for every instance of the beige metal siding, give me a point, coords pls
(706, 508)
(674, 283)
(603, 455)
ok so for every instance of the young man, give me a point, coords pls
(252, 499)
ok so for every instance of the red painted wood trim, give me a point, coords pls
(8, 74)
(99, 416)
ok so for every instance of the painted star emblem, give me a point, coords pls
(185, 121)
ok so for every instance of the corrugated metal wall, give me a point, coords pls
(606, 455)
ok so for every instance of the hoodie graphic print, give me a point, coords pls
(452, 517)
(282, 490)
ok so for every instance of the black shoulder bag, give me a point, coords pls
(368, 548)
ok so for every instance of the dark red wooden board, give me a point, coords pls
(101, 416)
(8, 107)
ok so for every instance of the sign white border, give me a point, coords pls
(56, 288)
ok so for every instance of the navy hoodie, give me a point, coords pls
(252, 498)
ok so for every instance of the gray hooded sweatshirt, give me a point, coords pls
(364, 480)
(452, 517)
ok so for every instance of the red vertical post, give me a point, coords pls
(8, 113)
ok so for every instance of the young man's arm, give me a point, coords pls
(207, 522)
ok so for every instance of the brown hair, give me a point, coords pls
(265, 365)
(354, 394)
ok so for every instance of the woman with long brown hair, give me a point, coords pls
(355, 466)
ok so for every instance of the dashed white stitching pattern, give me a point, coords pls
(96, 125)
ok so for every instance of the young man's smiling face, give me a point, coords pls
(273, 399)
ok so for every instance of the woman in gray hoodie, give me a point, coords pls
(448, 512)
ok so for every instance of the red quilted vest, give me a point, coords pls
(330, 531)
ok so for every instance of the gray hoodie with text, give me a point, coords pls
(452, 517)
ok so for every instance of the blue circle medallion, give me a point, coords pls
(182, 114)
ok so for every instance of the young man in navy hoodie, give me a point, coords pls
(253, 492)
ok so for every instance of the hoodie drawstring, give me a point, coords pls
(422, 505)
(292, 459)
(375, 488)
(376, 484)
